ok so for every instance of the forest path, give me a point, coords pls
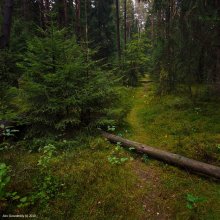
(139, 99)
(154, 200)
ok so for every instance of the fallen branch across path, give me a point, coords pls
(174, 159)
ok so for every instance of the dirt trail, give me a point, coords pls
(154, 201)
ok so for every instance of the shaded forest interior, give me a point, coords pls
(147, 70)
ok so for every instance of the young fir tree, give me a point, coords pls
(136, 60)
(62, 87)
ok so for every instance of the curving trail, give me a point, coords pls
(153, 201)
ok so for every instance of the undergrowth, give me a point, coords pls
(188, 127)
(71, 183)
(183, 126)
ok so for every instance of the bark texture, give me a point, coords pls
(118, 28)
(78, 26)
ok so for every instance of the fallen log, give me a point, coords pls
(171, 158)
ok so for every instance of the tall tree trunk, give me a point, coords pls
(118, 29)
(168, 51)
(86, 113)
(152, 28)
(218, 49)
(44, 6)
(65, 12)
(46, 10)
(25, 9)
(6, 25)
(125, 23)
(62, 13)
(47, 5)
(78, 26)
(41, 8)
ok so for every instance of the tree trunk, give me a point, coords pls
(65, 12)
(125, 23)
(47, 5)
(218, 69)
(44, 6)
(167, 157)
(6, 25)
(62, 13)
(46, 11)
(41, 8)
(25, 9)
(218, 50)
(118, 29)
(152, 28)
(78, 26)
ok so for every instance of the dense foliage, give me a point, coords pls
(61, 86)
(185, 35)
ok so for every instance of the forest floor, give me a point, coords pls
(86, 177)
(150, 175)
(171, 189)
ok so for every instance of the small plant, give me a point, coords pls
(47, 156)
(14, 196)
(5, 146)
(116, 160)
(198, 110)
(118, 146)
(131, 148)
(48, 188)
(145, 158)
(111, 128)
(218, 147)
(49, 184)
(24, 202)
(113, 159)
(4, 180)
(7, 131)
(192, 201)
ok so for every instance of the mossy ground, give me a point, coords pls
(93, 188)
(179, 125)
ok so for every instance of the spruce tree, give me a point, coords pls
(61, 83)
